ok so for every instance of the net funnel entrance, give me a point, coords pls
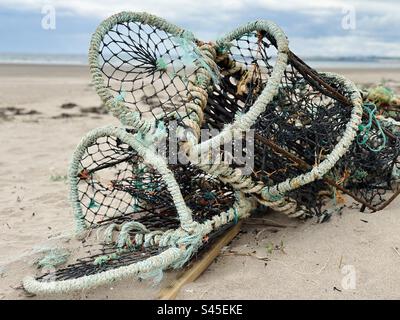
(146, 70)
(115, 184)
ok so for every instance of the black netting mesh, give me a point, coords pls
(88, 265)
(115, 185)
(306, 119)
(372, 174)
(147, 68)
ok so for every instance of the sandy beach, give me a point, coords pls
(44, 112)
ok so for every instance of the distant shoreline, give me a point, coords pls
(362, 62)
(359, 74)
(41, 64)
(325, 65)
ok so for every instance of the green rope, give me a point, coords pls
(359, 174)
(201, 80)
(101, 260)
(150, 138)
(191, 243)
(192, 54)
(161, 64)
(155, 276)
(273, 197)
(365, 129)
(120, 97)
(54, 258)
(93, 204)
(223, 47)
(380, 95)
(209, 196)
(236, 218)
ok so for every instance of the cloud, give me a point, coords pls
(313, 27)
(344, 47)
(205, 8)
(172, 8)
(387, 26)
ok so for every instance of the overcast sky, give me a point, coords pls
(314, 28)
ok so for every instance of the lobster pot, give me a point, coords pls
(136, 219)
(303, 121)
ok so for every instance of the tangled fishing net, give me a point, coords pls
(140, 211)
(386, 101)
(313, 120)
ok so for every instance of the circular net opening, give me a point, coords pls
(148, 69)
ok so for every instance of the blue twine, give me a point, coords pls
(209, 196)
(120, 96)
(93, 204)
(161, 64)
(236, 216)
(272, 197)
(365, 129)
(191, 54)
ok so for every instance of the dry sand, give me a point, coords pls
(35, 213)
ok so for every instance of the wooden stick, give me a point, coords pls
(267, 222)
(199, 266)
